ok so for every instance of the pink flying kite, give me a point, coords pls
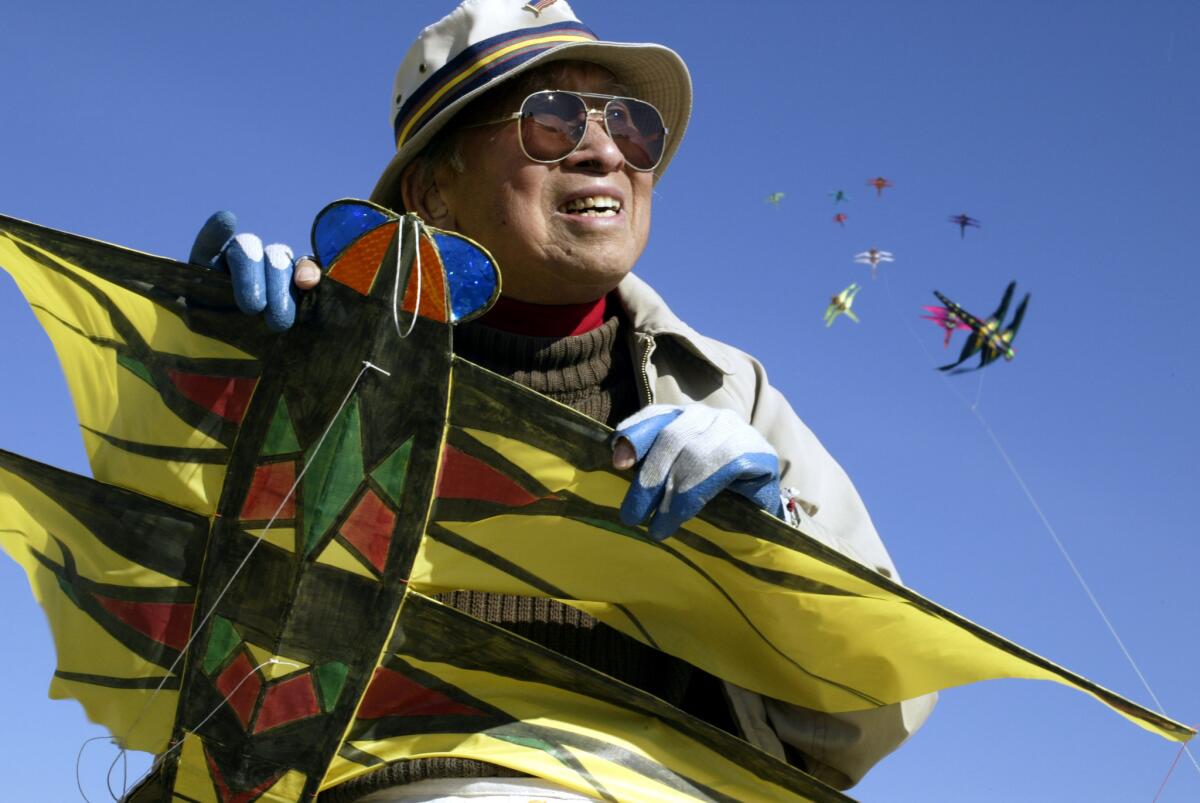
(947, 319)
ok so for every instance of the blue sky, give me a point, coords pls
(1067, 128)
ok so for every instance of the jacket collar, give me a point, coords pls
(648, 314)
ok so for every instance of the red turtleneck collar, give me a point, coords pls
(545, 320)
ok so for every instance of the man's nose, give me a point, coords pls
(597, 150)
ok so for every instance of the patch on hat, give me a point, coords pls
(538, 7)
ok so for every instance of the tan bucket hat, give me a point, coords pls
(482, 43)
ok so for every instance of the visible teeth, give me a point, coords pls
(594, 206)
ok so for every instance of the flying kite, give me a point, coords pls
(841, 303)
(246, 587)
(872, 257)
(879, 183)
(839, 195)
(774, 198)
(840, 218)
(986, 336)
(962, 221)
(947, 319)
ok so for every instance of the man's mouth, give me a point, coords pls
(592, 206)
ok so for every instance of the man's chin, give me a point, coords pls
(572, 283)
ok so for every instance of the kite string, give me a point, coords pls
(1167, 777)
(974, 409)
(79, 761)
(367, 366)
(416, 229)
(123, 757)
(978, 391)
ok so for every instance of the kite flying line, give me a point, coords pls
(1037, 508)
(1163, 785)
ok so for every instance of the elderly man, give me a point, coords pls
(518, 128)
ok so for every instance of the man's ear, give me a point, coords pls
(421, 194)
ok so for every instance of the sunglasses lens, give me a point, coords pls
(637, 129)
(552, 124)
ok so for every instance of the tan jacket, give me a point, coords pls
(677, 365)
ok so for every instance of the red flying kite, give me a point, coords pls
(879, 182)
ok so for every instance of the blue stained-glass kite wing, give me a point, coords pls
(340, 224)
(472, 279)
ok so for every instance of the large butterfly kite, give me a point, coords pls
(246, 588)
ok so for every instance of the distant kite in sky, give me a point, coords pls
(841, 303)
(840, 218)
(962, 221)
(987, 336)
(873, 257)
(947, 319)
(774, 198)
(839, 195)
(879, 182)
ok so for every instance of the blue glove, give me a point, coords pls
(688, 455)
(262, 276)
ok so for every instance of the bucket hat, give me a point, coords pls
(483, 43)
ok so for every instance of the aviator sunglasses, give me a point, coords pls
(551, 125)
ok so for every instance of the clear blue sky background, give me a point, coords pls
(1068, 128)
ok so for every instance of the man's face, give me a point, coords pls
(527, 215)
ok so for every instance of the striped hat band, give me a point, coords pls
(478, 65)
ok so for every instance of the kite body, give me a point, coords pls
(246, 587)
(880, 184)
(963, 221)
(947, 319)
(774, 198)
(988, 337)
(840, 305)
(872, 257)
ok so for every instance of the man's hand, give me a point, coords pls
(688, 455)
(262, 276)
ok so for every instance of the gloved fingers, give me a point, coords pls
(244, 256)
(281, 305)
(681, 504)
(718, 442)
(640, 501)
(659, 436)
(682, 446)
(642, 428)
(212, 239)
(758, 481)
(688, 456)
(754, 476)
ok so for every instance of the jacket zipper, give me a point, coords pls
(647, 345)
